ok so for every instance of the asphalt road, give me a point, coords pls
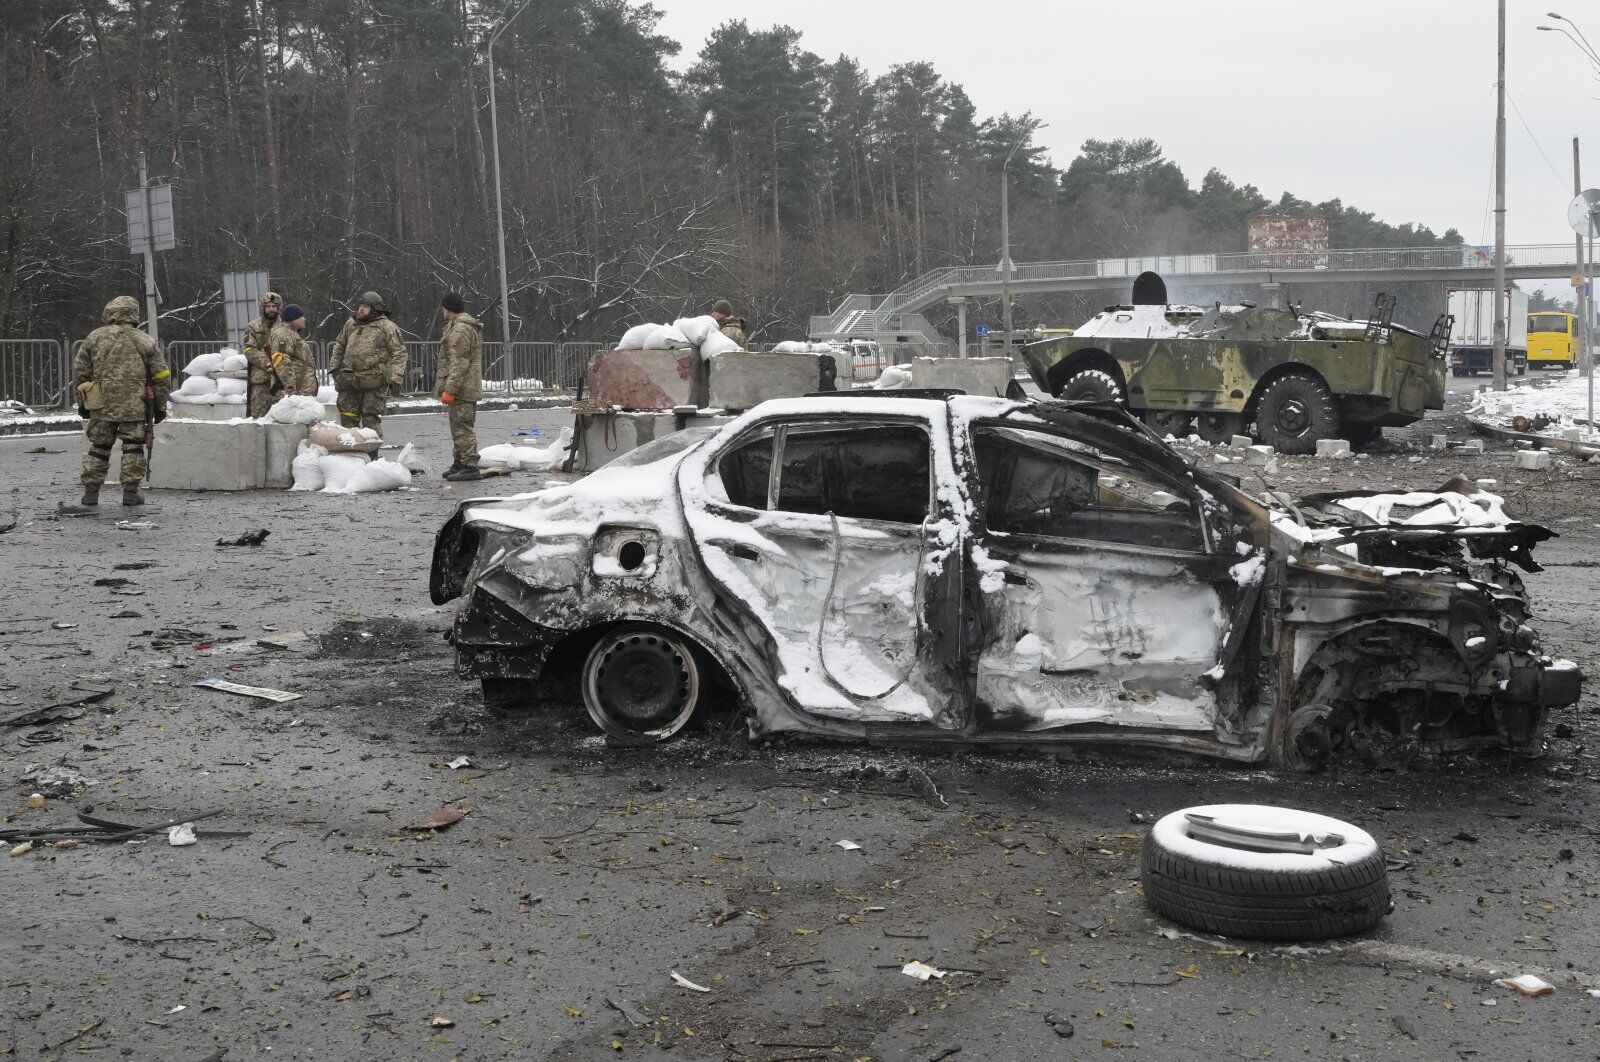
(584, 874)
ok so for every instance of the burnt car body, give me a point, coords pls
(951, 568)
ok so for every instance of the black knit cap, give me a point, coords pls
(453, 302)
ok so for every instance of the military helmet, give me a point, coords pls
(372, 299)
(123, 309)
(722, 306)
(272, 297)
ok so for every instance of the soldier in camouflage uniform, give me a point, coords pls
(111, 371)
(727, 323)
(367, 363)
(291, 355)
(265, 385)
(460, 383)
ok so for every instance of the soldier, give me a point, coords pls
(731, 326)
(367, 363)
(291, 355)
(460, 374)
(111, 371)
(265, 386)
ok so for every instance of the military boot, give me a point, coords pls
(131, 496)
(450, 473)
(467, 472)
(91, 496)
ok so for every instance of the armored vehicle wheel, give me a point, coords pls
(641, 684)
(1219, 427)
(1294, 412)
(1164, 422)
(1092, 384)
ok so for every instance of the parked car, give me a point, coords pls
(961, 569)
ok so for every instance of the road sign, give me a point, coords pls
(160, 196)
(241, 301)
(983, 330)
(1583, 213)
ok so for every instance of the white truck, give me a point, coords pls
(1471, 348)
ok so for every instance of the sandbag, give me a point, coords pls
(226, 386)
(665, 337)
(893, 378)
(379, 476)
(633, 338)
(233, 361)
(411, 460)
(229, 400)
(695, 329)
(337, 470)
(789, 346)
(198, 385)
(204, 363)
(327, 394)
(296, 409)
(716, 343)
(339, 439)
(307, 467)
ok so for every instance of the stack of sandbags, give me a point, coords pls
(702, 333)
(528, 458)
(297, 409)
(220, 378)
(336, 439)
(797, 346)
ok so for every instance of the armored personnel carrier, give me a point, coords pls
(1293, 376)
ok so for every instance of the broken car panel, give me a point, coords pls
(968, 569)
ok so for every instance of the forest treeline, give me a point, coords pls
(344, 145)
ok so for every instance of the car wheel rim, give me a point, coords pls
(641, 685)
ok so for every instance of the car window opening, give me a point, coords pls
(877, 472)
(1032, 483)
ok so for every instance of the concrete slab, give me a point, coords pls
(975, 376)
(645, 379)
(282, 442)
(1241, 442)
(1333, 447)
(203, 455)
(607, 436)
(1532, 460)
(740, 380)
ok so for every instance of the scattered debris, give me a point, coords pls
(276, 696)
(288, 642)
(137, 525)
(1062, 1027)
(458, 763)
(61, 625)
(22, 849)
(36, 800)
(921, 970)
(95, 829)
(249, 538)
(56, 781)
(848, 846)
(442, 1023)
(636, 1017)
(1528, 985)
(181, 835)
(88, 692)
(113, 581)
(684, 982)
(440, 819)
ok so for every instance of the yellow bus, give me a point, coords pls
(1552, 340)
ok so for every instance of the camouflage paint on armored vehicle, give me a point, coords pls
(1298, 377)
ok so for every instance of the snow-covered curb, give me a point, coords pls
(1562, 401)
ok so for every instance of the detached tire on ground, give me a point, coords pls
(1294, 412)
(1092, 384)
(1266, 895)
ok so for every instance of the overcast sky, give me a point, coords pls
(1388, 105)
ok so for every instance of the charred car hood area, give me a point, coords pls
(947, 568)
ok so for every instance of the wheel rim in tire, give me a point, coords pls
(1293, 417)
(641, 684)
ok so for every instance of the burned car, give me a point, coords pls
(932, 567)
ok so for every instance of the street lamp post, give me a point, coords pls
(1500, 299)
(1029, 127)
(499, 204)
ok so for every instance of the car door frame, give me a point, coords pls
(939, 655)
(1213, 565)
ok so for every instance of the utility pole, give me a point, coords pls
(1585, 324)
(1029, 127)
(1500, 206)
(149, 252)
(499, 205)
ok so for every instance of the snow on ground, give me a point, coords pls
(1564, 399)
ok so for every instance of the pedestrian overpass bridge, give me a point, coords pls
(901, 311)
